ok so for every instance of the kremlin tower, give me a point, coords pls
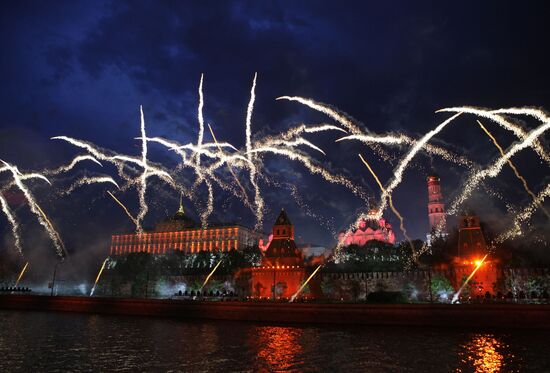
(436, 207)
(471, 243)
(282, 269)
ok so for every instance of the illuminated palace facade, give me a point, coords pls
(181, 233)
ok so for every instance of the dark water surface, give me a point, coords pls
(62, 342)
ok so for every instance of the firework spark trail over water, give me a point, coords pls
(13, 222)
(495, 116)
(292, 137)
(99, 276)
(293, 297)
(199, 171)
(134, 220)
(402, 166)
(86, 180)
(71, 165)
(120, 162)
(314, 169)
(399, 216)
(201, 120)
(231, 171)
(258, 200)
(142, 190)
(326, 109)
(478, 266)
(495, 169)
(524, 215)
(210, 275)
(35, 208)
(402, 139)
(328, 224)
(514, 169)
(21, 274)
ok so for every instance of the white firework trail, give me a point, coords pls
(325, 109)
(513, 167)
(35, 209)
(402, 166)
(71, 165)
(297, 131)
(122, 161)
(397, 178)
(201, 120)
(119, 161)
(403, 139)
(524, 215)
(87, 180)
(494, 115)
(304, 208)
(124, 208)
(142, 190)
(13, 222)
(232, 172)
(495, 169)
(314, 169)
(258, 200)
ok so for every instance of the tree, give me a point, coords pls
(441, 288)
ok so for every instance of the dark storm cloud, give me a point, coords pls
(83, 69)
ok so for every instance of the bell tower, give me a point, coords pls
(436, 206)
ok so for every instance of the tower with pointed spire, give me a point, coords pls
(282, 270)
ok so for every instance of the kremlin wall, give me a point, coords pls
(280, 267)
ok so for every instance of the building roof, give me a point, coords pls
(283, 219)
(282, 248)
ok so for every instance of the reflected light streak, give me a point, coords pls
(278, 348)
(482, 354)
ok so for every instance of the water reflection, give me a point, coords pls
(485, 353)
(61, 342)
(278, 347)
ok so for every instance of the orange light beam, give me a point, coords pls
(210, 275)
(98, 276)
(292, 298)
(21, 274)
(134, 220)
(478, 266)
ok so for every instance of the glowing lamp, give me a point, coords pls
(478, 262)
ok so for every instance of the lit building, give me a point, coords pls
(368, 229)
(182, 234)
(282, 269)
(471, 241)
(436, 208)
(471, 250)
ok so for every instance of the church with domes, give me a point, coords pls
(368, 229)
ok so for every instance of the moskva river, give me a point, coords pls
(65, 342)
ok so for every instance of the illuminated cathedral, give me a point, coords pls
(368, 229)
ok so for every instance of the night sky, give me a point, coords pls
(82, 69)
